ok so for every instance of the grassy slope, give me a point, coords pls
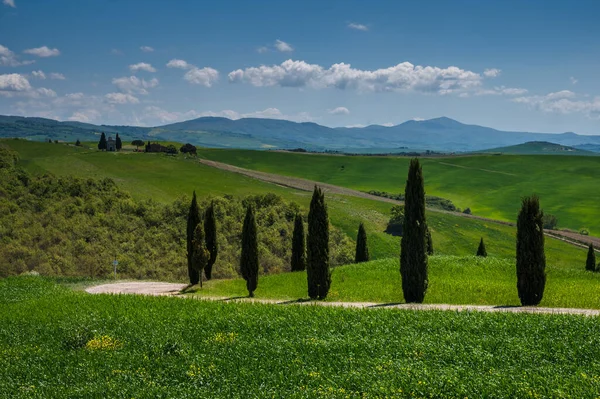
(166, 347)
(167, 178)
(490, 185)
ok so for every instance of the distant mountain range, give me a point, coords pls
(439, 134)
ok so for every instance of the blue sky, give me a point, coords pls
(513, 65)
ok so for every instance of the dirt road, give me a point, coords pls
(162, 289)
(308, 185)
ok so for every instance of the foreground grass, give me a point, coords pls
(452, 280)
(59, 343)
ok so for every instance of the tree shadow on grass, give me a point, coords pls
(233, 298)
(384, 305)
(293, 301)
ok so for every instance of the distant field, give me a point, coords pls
(58, 343)
(165, 178)
(491, 185)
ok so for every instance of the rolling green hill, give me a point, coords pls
(540, 148)
(491, 185)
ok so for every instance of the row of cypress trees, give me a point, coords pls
(202, 248)
(416, 244)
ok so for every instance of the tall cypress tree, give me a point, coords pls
(317, 254)
(118, 143)
(200, 255)
(192, 221)
(413, 251)
(362, 250)
(590, 264)
(298, 261)
(531, 260)
(481, 251)
(102, 142)
(210, 229)
(249, 258)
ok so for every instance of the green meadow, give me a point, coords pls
(58, 343)
(491, 185)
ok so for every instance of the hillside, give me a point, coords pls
(540, 148)
(439, 134)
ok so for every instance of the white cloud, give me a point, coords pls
(205, 76)
(339, 111)
(562, 102)
(8, 58)
(146, 49)
(116, 51)
(43, 92)
(181, 64)
(388, 124)
(57, 76)
(357, 125)
(142, 66)
(88, 115)
(262, 49)
(38, 75)
(201, 76)
(121, 98)
(573, 80)
(283, 46)
(492, 73)
(502, 91)
(43, 51)
(14, 82)
(133, 84)
(356, 26)
(10, 3)
(401, 77)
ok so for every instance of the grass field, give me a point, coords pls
(58, 343)
(164, 178)
(452, 280)
(490, 185)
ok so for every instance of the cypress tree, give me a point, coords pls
(531, 260)
(78, 143)
(102, 142)
(590, 264)
(298, 261)
(118, 143)
(481, 249)
(210, 229)
(362, 250)
(317, 254)
(192, 221)
(413, 251)
(201, 255)
(249, 258)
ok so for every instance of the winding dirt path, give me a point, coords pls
(308, 185)
(172, 289)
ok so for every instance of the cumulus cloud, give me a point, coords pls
(573, 80)
(339, 111)
(492, 72)
(142, 66)
(8, 58)
(181, 64)
(14, 82)
(282, 46)
(356, 26)
(201, 76)
(38, 75)
(146, 49)
(401, 77)
(87, 116)
(10, 3)
(121, 98)
(133, 84)
(562, 102)
(57, 76)
(43, 51)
